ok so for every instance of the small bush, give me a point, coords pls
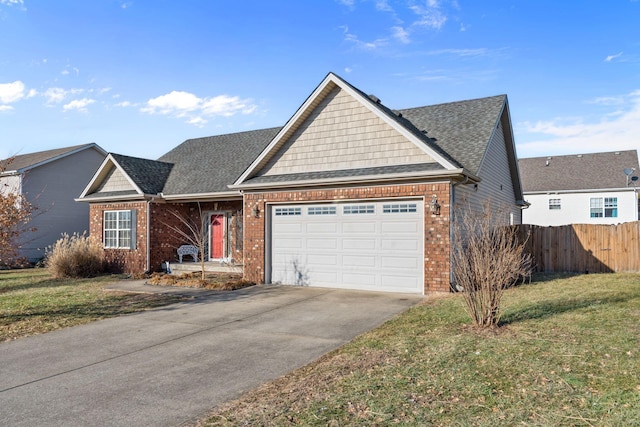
(75, 256)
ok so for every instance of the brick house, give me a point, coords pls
(348, 193)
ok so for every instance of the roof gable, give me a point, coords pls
(127, 177)
(22, 163)
(319, 105)
(578, 172)
(327, 140)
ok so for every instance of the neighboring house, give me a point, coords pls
(597, 188)
(50, 180)
(347, 194)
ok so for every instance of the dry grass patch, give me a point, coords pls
(33, 302)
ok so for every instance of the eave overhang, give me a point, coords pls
(452, 175)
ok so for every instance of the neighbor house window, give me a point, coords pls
(611, 207)
(596, 207)
(119, 229)
(554, 204)
(604, 207)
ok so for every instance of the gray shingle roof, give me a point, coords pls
(210, 164)
(149, 175)
(347, 173)
(461, 129)
(25, 161)
(577, 172)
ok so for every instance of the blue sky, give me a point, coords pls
(139, 77)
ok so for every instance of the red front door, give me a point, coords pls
(217, 236)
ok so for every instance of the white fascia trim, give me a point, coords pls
(593, 190)
(109, 159)
(116, 199)
(332, 78)
(373, 179)
(221, 195)
(285, 129)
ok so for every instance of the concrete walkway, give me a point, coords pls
(171, 365)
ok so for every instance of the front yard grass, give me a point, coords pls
(567, 353)
(32, 302)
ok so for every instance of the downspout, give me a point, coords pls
(148, 263)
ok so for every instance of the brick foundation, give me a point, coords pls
(436, 227)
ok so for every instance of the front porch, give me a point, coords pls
(209, 267)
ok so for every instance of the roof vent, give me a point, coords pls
(424, 131)
(579, 156)
(547, 163)
(375, 99)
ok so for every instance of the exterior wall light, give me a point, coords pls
(434, 206)
(256, 212)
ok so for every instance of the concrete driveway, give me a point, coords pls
(171, 365)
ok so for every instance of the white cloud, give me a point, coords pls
(78, 104)
(461, 52)
(5, 108)
(612, 57)
(56, 95)
(429, 15)
(184, 104)
(11, 92)
(617, 129)
(401, 35)
(124, 104)
(12, 2)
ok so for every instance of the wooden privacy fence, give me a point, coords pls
(584, 248)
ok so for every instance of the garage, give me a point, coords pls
(372, 245)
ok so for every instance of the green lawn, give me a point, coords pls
(32, 302)
(567, 353)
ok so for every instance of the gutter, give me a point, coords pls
(350, 180)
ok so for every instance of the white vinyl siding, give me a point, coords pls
(616, 207)
(496, 186)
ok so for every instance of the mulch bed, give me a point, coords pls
(212, 281)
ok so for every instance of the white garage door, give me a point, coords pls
(365, 245)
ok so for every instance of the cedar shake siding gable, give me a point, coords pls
(336, 116)
(125, 177)
(342, 134)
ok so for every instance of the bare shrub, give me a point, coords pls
(75, 256)
(16, 213)
(488, 257)
(193, 230)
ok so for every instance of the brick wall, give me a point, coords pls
(163, 241)
(122, 260)
(436, 227)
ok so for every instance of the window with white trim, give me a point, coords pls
(400, 208)
(288, 211)
(119, 229)
(606, 207)
(358, 209)
(321, 210)
(554, 204)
